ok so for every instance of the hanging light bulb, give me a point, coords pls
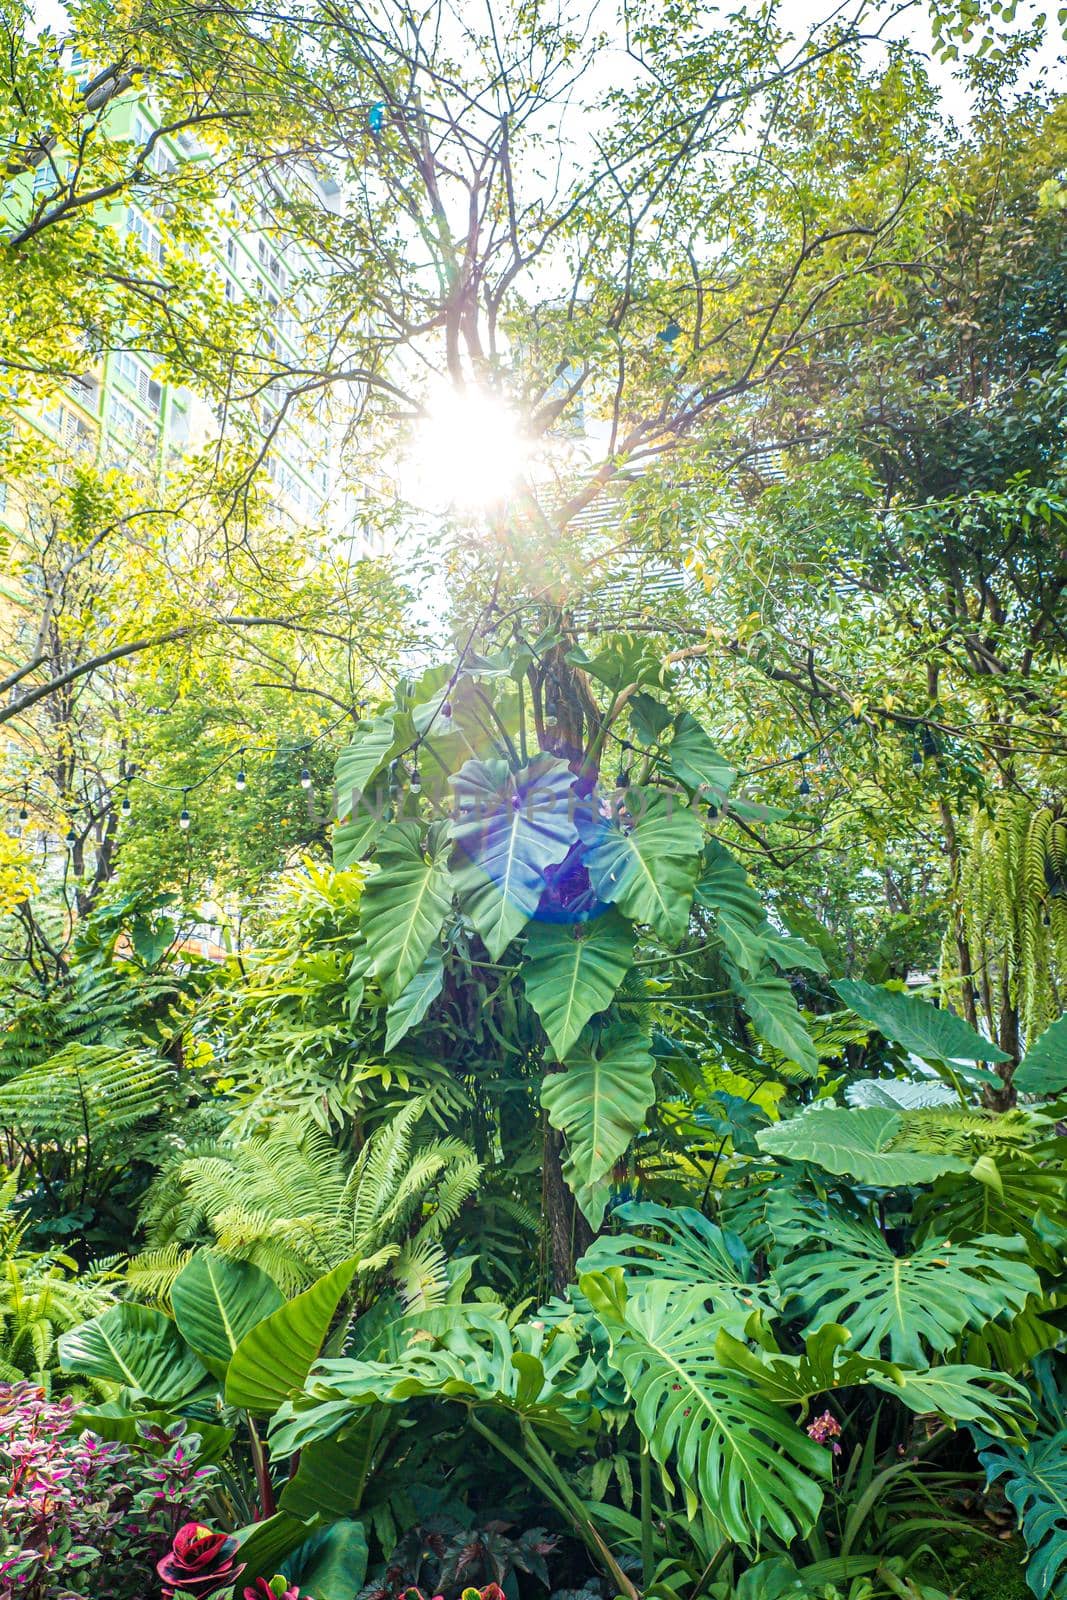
(416, 782)
(804, 787)
(24, 815)
(72, 838)
(305, 778)
(125, 807)
(240, 783)
(184, 818)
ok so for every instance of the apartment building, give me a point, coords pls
(121, 411)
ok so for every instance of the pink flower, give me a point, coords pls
(824, 1429)
(199, 1563)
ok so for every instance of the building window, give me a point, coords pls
(146, 236)
(121, 418)
(130, 370)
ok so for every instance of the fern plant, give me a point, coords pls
(288, 1200)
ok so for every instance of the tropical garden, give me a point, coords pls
(533, 1060)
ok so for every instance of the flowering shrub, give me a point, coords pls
(80, 1518)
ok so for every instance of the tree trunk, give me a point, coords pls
(569, 1235)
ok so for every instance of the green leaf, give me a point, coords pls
(682, 1248)
(332, 1475)
(1036, 1487)
(775, 1015)
(264, 1545)
(273, 1359)
(648, 718)
(353, 837)
(902, 1307)
(409, 1008)
(726, 890)
(650, 870)
(923, 1029)
(135, 1346)
(599, 1101)
(332, 1564)
(623, 659)
(694, 760)
(404, 905)
(955, 1393)
(739, 1455)
(572, 973)
(216, 1301)
(509, 828)
(1043, 1069)
(857, 1143)
(358, 762)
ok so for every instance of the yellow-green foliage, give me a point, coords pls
(1014, 892)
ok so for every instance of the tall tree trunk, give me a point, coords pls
(963, 949)
(569, 1235)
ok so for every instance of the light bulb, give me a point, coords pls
(184, 819)
(241, 782)
(126, 807)
(305, 778)
(72, 839)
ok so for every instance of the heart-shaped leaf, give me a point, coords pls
(599, 1101)
(509, 827)
(572, 972)
(857, 1143)
(648, 868)
(216, 1301)
(929, 1033)
(404, 904)
(135, 1346)
(1044, 1067)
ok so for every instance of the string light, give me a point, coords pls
(305, 778)
(184, 818)
(415, 784)
(72, 838)
(126, 807)
(240, 783)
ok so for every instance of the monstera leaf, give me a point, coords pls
(599, 1101)
(537, 1374)
(903, 1307)
(1036, 1486)
(135, 1346)
(273, 1359)
(928, 1033)
(509, 827)
(216, 1301)
(857, 1143)
(409, 1007)
(956, 1393)
(571, 973)
(1044, 1067)
(737, 1453)
(404, 903)
(648, 870)
(683, 1251)
(774, 1014)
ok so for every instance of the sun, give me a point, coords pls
(468, 450)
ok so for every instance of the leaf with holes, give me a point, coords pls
(572, 973)
(648, 870)
(737, 1453)
(508, 828)
(904, 1307)
(404, 903)
(1035, 1484)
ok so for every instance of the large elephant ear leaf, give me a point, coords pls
(135, 1346)
(738, 1454)
(1035, 1484)
(404, 904)
(274, 1358)
(410, 1007)
(857, 1142)
(648, 868)
(370, 748)
(599, 1102)
(216, 1301)
(509, 827)
(1044, 1067)
(923, 1029)
(775, 1015)
(696, 762)
(572, 972)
